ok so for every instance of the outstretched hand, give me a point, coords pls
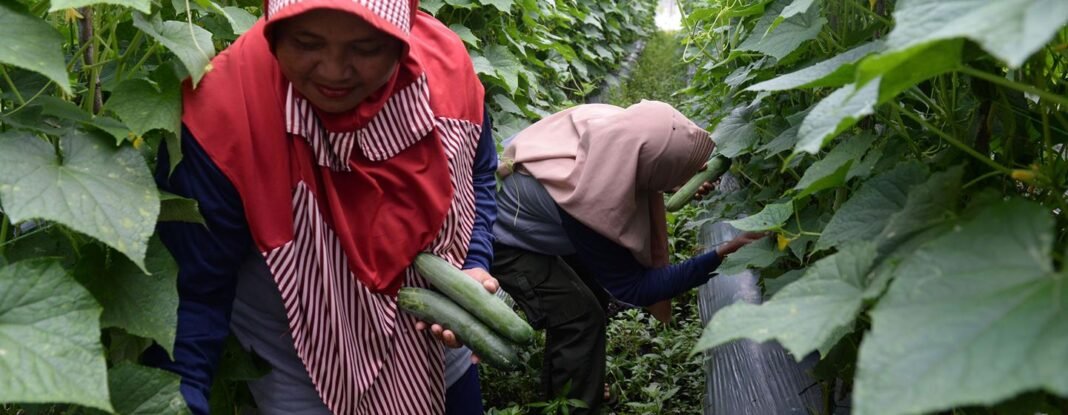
(447, 336)
(706, 187)
(738, 242)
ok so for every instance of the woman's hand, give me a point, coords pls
(738, 242)
(447, 336)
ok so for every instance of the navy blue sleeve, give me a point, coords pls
(624, 277)
(208, 258)
(480, 251)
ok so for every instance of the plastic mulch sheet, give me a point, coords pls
(746, 377)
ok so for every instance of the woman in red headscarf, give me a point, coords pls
(328, 146)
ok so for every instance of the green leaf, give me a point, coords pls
(482, 65)
(901, 71)
(505, 65)
(830, 171)
(772, 217)
(144, 108)
(774, 285)
(431, 6)
(784, 141)
(867, 212)
(796, 7)
(927, 204)
(787, 36)
(1011, 30)
(507, 105)
(240, 19)
(105, 192)
(759, 254)
(174, 208)
(735, 135)
(836, 113)
(462, 4)
(138, 390)
(38, 48)
(144, 6)
(195, 53)
(836, 71)
(49, 338)
(141, 304)
(972, 318)
(810, 314)
(465, 34)
(504, 6)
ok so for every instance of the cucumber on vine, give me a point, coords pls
(716, 167)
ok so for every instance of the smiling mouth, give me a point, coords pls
(334, 92)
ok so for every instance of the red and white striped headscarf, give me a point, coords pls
(340, 209)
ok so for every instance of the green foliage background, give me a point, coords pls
(909, 158)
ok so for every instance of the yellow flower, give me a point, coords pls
(72, 15)
(1022, 175)
(782, 241)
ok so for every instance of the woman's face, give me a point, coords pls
(335, 59)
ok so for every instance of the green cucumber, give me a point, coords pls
(716, 167)
(435, 308)
(474, 298)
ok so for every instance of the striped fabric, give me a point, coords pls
(405, 118)
(364, 356)
(394, 11)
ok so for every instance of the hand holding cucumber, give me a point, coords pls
(466, 311)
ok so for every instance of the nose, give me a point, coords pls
(335, 66)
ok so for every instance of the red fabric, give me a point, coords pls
(384, 213)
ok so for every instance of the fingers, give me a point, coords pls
(487, 280)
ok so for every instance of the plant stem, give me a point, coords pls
(10, 83)
(5, 227)
(957, 143)
(89, 59)
(1046, 95)
(877, 16)
(20, 107)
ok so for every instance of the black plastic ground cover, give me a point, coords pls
(745, 377)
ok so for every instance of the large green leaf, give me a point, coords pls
(1011, 30)
(927, 204)
(782, 142)
(142, 304)
(779, 41)
(810, 314)
(796, 7)
(772, 217)
(143, 107)
(901, 71)
(144, 6)
(49, 338)
(102, 191)
(836, 71)
(866, 213)
(735, 134)
(504, 6)
(431, 6)
(973, 317)
(174, 208)
(505, 65)
(465, 34)
(139, 390)
(836, 113)
(759, 254)
(831, 171)
(192, 44)
(31, 43)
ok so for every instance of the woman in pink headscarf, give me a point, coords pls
(328, 146)
(581, 218)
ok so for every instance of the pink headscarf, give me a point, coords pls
(607, 167)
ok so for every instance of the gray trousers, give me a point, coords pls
(556, 298)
